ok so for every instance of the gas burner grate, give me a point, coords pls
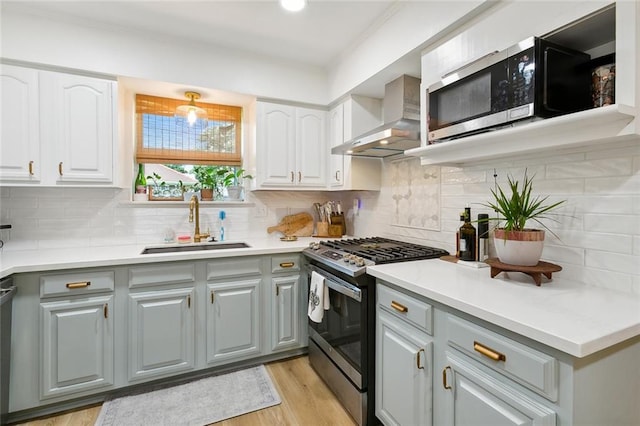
(383, 250)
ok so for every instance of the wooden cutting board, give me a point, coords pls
(299, 225)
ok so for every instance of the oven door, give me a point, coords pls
(340, 334)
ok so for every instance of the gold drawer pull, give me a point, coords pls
(299, 176)
(212, 297)
(292, 177)
(80, 284)
(488, 352)
(287, 264)
(31, 168)
(105, 310)
(338, 176)
(60, 168)
(398, 307)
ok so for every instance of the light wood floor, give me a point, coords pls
(306, 400)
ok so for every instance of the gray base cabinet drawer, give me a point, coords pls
(154, 275)
(286, 263)
(237, 267)
(76, 283)
(412, 310)
(532, 368)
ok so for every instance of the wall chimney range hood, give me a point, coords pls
(401, 128)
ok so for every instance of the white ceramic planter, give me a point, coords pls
(523, 248)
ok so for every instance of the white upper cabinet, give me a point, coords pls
(347, 120)
(80, 124)
(569, 24)
(20, 143)
(290, 146)
(58, 128)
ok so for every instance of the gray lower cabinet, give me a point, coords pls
(286, 325)
(76, 332)
(82, 332)
(474, 397)
(404, 354)
(233, 320)
(77, 345)
(482, 374)
(161, 333)
(403, 372)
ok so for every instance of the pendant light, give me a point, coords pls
(293, 5)
(191, 110)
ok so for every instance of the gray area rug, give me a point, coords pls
(199, 402)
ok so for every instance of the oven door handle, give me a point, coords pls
(339, 285)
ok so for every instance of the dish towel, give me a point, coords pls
(318, 297)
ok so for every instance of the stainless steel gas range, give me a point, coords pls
(342, 345)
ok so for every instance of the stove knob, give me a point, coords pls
(346, 258)
(360, 262)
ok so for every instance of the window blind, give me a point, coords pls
(162, 136)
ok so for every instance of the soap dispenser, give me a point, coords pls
(222, 215)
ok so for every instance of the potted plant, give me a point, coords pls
(189, 190)
(515, 243)
(209, 178)
(233, 180)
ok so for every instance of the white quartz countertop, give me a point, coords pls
(569, 316)
(12, 262)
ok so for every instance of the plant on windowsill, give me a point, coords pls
(160, 191)
(210, 181)
(515, 243)
(233, 180)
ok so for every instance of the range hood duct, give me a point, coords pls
(401, 128)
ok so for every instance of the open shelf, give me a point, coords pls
(598, 125)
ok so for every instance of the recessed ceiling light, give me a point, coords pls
(384, 142)
(293, 5)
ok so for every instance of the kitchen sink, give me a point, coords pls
(194, 247)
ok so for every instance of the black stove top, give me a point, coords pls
(383, 250)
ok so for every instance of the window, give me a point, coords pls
(162, 137)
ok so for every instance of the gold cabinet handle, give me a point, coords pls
(398, 307)
(105, 310)
(212, 297)
(338, 176)
(299, 176)
(60, 168)
(418, 359)
(444, 378)
(488, 352)
(31, 168)
(292, 177)
(277, 291)
(188, 301)
(80, 284)
(287, 264)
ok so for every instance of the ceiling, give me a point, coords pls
(318, 36)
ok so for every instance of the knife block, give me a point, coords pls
(338, 223)
(322, 229)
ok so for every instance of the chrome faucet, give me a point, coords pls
(194, 204)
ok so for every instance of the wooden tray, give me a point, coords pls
(535, 272)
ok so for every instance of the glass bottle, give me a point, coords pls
(467, 237)
(141, 181)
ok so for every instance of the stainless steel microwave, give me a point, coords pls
(532, 79)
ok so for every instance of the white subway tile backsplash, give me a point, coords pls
(613, 185)
(590, 168)
(624, 263)
(620, 224)
(612, 243)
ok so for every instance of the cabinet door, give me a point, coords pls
(233, 320)
(403, 372)
(77, 345)
(81, 122)
(20, 135)
(310, 147)
(476, 398)
(336, 137)
(276, 144)
(285, 328)
(161, 333)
